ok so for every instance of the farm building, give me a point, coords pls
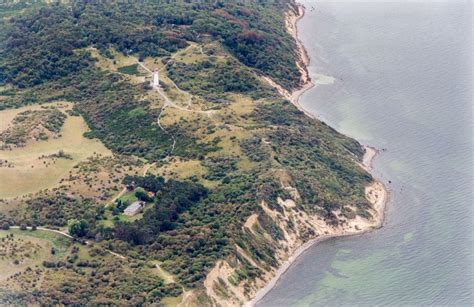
(134, 208)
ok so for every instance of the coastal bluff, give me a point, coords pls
(301, 229)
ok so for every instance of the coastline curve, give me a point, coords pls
(376, 192)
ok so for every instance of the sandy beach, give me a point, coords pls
(376, 193)
(291, 20)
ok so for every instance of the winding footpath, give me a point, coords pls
(170, 103)
(63, 233)
(167, 103)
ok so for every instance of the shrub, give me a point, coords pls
(77, 228)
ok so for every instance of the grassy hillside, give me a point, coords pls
(212, 153)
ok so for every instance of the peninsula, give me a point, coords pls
(157, 154)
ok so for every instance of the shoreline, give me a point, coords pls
(376, 192)
(379, 206)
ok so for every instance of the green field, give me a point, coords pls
(128, 197)
(29, 173)
(60, 242)
(129, 70)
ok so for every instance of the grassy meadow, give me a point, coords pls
(20, 249)
(30, 173)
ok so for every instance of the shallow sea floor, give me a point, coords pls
(402, 82)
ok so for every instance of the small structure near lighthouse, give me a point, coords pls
(155, 79)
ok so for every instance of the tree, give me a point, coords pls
(141, 194)
(77, 228)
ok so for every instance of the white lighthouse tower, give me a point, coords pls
(155, 80)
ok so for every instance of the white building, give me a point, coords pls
(155, 79)
(134, 208)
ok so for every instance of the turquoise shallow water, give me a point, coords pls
(402, 81)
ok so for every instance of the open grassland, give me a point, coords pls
(59, 242)
(32, 126)
(171, 301)
(128, 197)
(20, 249)
(30, 172)
(197, 53)
(7, 116)
(129, 70)
(121, 63)
(180, 169)
(99, 177)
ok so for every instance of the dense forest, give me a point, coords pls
(189, 223)
(149, 28)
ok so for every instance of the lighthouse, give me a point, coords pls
(155, 80)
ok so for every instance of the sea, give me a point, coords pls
(396, 75)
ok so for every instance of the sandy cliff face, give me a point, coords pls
(292, 16)
(300, 231)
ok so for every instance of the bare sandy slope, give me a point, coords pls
(376, 194)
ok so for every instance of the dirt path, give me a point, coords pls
(120, 194)
(174, 56)
(168, 102)
(65, 234)
(147, 168)
(124, 189)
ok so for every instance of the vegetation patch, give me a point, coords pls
(32, 125)
(129, 70)
(213, 79)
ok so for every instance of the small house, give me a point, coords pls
(150, 194)
(134, 208)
